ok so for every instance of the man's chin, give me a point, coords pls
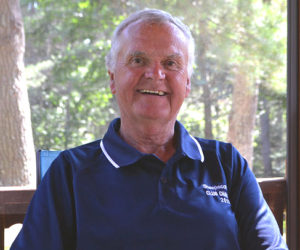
(156, 117)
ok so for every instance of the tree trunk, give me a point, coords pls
(265, 140)
(242, 117)
(206, 94)
(17, 156)
(207, 112)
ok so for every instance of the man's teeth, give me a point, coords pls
(152, 92)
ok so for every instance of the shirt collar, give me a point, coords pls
(120, 154)
(188, 144)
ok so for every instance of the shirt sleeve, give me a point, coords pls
(50, 219)
(257, 225)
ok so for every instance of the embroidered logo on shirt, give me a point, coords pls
(219, 191)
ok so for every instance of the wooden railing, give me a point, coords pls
(13, 206)
(15, 200)
(275, 193)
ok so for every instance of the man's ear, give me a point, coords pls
(112, 82)
(187, 87)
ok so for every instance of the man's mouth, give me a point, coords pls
(152, 92)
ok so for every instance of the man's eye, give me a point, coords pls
(137, 60)
(171, 64)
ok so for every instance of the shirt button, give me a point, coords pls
(163, 180)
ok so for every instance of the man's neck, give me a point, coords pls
(150, 138)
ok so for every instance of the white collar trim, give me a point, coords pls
(117, 166)
(108, 156)
(199, 148)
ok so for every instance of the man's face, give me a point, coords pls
(150, 78)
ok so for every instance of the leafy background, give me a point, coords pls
(71, 104)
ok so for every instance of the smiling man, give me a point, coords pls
(148, 184)
(150, 80)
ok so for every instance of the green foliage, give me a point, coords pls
(66, 44)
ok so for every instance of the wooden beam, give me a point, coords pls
(293, 161)
(298, 165)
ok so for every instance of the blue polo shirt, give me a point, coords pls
(108, 195)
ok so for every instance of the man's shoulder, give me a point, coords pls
(216, 146)
(90, 146)
(224, 152)
(83, 154)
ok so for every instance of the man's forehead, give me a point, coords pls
(163, 33)
(141, 26)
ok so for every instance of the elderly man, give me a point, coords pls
(148, 184)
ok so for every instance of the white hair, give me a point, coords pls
(149, 16)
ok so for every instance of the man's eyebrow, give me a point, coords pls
(137, 53)
(175, 56)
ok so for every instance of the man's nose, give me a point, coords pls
(155, 72)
